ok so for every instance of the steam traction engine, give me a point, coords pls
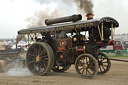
(63, 43)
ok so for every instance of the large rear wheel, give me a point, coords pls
(40, 58)
(86, 65)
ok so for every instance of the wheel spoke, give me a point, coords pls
(88, 71)
(39, 49)
(43, 51)
(35, 53)
(39, 68)
(103, 67)
(105, 62)
(83, 60)
(31, 54)
(83, 71)
(45, 56)
(103, 59)
(80, 63)
(44, 65)
(45, 59)
(40, 63)
(34, 49)
(91, 68)
(81, 68)
(86, 60)
(32, 62)
(100, 69)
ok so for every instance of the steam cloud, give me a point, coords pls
(85, 5)
(63, 8)
(17, 68)
(40, 16)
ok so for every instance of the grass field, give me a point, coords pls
(113, 55)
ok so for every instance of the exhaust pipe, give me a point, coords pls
(73, 18)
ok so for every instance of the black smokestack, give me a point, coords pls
(89, 16)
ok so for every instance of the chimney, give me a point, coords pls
(89, 16)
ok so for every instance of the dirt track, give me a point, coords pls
(118, 75)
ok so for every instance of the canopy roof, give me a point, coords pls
(108, 21)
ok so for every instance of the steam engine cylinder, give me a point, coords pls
(73, 18)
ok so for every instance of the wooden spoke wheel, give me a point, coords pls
(40, 58)
(61, 68)
(104, 63)
(86, 65)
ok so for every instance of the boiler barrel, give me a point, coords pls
(73, 18)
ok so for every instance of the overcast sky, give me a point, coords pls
(14, 13)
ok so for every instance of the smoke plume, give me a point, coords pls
(85, 5)
(39, 17)
(59, 8)
(19, 38)
(52, 9)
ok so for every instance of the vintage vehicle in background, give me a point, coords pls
(2, 45)
(9, 56)
(117, 47)
(70, 40)
(125, 43)
(20, 45)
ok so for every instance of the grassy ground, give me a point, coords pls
(113, 55)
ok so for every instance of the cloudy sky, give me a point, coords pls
(20, 14)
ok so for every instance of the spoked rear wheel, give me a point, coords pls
(104, 63)
(86, 65)
(62, 68)
(40, 58)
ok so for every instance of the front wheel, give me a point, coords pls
(86, 65)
